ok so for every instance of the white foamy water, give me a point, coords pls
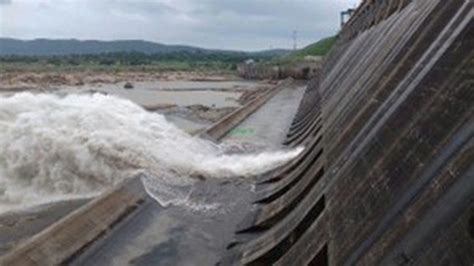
(54, 148)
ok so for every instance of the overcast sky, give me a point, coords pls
(225, 24)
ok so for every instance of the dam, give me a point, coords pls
(386, 176)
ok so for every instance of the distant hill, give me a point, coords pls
(271, 53)
(47, 47)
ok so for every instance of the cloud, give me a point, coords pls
(5, 2)
(229, 24)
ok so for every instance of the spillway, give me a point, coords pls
(386, 176)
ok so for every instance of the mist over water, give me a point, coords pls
(55, 148)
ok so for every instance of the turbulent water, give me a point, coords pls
(55, 148)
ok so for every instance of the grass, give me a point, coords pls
(320, 48)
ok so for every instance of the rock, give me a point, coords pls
(79, 83)
(155, 107)
(198, 108)
(128, 85)
(198, 177)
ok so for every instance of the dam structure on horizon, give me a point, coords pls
(386, 176)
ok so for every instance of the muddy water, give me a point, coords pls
(152, 99)
(152, 95)
(190, 85)
(187, 125)
(155, 94)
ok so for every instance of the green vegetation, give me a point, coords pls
(186, 59)
(320, 48)
(174, 61)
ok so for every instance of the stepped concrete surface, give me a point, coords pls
(386, 176)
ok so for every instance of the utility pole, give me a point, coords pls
(295, 40)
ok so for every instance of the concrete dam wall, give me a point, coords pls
(387, 177)
(297, 70)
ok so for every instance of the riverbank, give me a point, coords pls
(21, 79)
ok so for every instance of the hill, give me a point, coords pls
(48, 47)
(319, 48)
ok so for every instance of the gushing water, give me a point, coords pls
(55, 148)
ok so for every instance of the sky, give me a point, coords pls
(222, 24)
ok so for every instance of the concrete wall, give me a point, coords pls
(398, 123)
(387, 177)
(301, 70)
